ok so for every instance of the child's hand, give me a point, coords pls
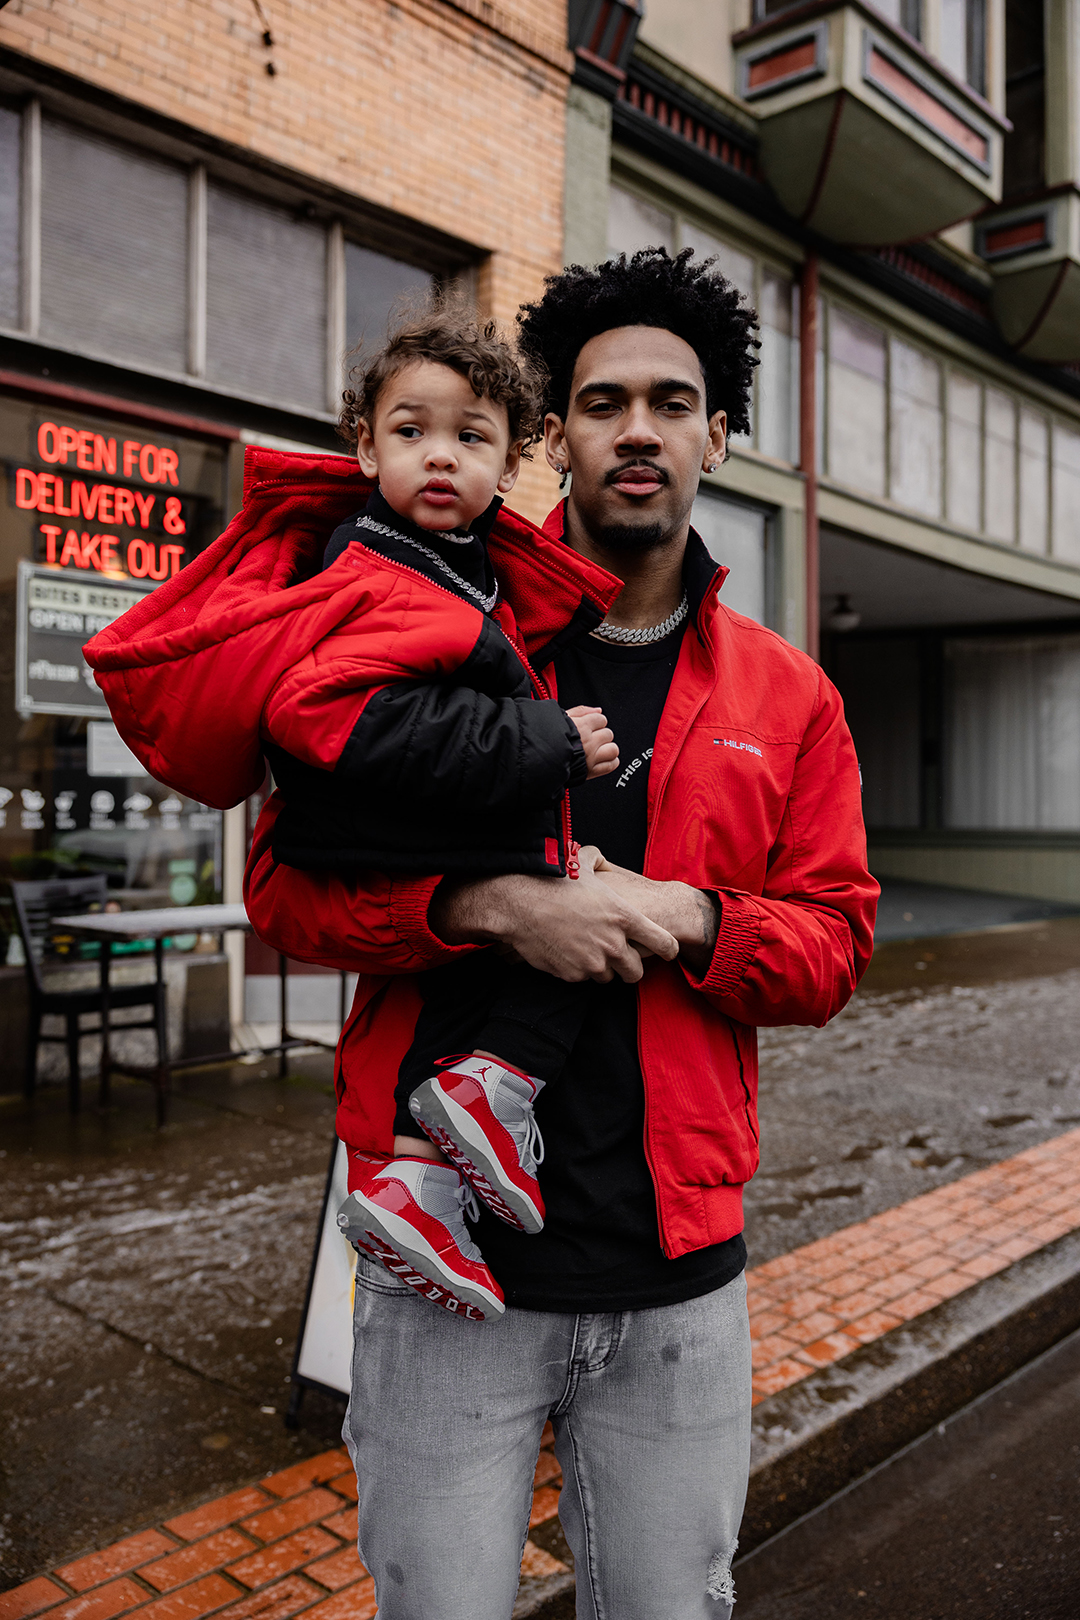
(601, 749)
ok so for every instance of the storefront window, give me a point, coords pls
(1066, 494)
(856, 389)
(1034, 479)
(10, 165)
(1000, 465)
(97, 512)
(265, 299)
(915, 429)
(373, 286)
(1013, 733)
(634, 223)
(964, 447)
(776, 380)
(98, 197)
(737, 536)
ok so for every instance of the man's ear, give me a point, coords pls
(555, 446)
(511, 468)
(716, 444)
(365, 450)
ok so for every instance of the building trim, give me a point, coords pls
(969, 838)
(385, 230)
(869, 518)
(15, 382)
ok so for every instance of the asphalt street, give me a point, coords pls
(980, 1519)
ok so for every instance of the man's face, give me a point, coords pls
(439, 453)
(636, 437)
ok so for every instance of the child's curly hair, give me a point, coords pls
(451, 335)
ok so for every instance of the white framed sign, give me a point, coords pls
(56, 615)
(324, 1346)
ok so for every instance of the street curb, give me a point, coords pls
(813, 1438)
(816, 1436)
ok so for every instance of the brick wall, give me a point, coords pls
(450, 112)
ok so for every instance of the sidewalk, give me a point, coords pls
(286, 1546)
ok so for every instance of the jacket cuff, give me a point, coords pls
(410, 900)
(736, 944)
(579, 765)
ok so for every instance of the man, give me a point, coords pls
(734, 825)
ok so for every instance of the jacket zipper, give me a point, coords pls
(661, 790)
(572, 847)
(573, 866)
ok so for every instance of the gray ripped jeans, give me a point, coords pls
(651, 1411)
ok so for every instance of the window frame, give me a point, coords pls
(447, 260)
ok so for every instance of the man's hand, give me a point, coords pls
(574, 929)
(597, 739)
(690, 914)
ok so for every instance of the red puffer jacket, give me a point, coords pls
(753, 795)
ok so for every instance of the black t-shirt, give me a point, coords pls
(600, 1247)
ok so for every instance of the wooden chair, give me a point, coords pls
(36, 905)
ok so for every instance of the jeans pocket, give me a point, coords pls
(375, 1279)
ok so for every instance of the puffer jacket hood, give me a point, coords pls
(187, 671)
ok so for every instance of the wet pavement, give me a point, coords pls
(150, 1293)
(980, 1518)
(153, 1281)
(954, 1054)
(921, 910)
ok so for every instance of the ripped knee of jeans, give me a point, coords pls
(719, 1584)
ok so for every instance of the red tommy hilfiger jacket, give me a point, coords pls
(753, 795)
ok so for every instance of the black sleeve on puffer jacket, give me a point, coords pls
(461, 748)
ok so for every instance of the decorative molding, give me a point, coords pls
(889, 72)
(779, 64)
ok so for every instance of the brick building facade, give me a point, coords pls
(203, 207)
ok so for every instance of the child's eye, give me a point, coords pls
(409, 431)
(470, 436)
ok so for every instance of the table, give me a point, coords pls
(158, 925)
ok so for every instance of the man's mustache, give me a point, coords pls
(615, 473)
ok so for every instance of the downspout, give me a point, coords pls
(808, 441)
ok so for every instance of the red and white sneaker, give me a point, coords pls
(411, 1216)
(480, 1113)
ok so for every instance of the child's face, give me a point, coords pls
(439, 453)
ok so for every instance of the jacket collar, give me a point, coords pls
(702, 575)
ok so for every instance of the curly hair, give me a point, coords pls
(450, 335)
(683, 295)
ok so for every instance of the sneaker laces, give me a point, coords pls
(466, 1199)
(527, 1138)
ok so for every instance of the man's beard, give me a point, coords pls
(630, 537)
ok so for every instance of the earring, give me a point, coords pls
(559, 468)
(563, 472)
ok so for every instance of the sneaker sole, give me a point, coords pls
(404, 1251)
(454, 1130)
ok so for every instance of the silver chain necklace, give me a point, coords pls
(639, 638)
(486, 603)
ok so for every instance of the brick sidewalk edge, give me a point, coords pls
(812, 1439)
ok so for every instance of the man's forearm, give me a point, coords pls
(572, 929)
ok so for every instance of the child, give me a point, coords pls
(466, 773)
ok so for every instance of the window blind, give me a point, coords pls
(373, 285)
(265, 300)
(113, 248)
(10, 155)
